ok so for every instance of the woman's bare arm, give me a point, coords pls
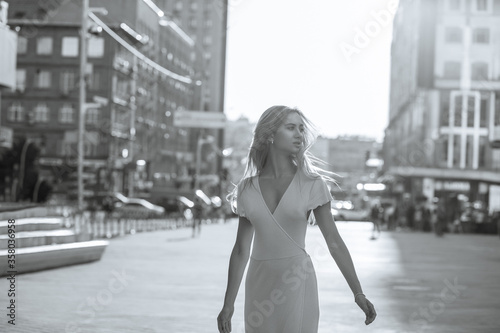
(237, 263)
(337, 247)
(342, 257)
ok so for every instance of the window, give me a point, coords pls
(456, 150)
(44, 46)
(67, 114)
(21, 80)
(479, 71)
(483, 143)
(469, 149)
(122, 88)
(194, 6)
(471, 111)
(452, 70)
(41, 113)
(481, 36)
(484, 110)
(96, 47)
(69, 46)
(443, 149)
(67, 81)
(91, 116)
(445, 109)
(178, 5)
(457, 112)
(207, 40)
(22, 45)
(91, 143)
(43, 79)
(16, 112)
(453, 35)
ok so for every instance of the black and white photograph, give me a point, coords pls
(249, 166)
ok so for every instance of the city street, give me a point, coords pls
(166, 281)
(121, 122)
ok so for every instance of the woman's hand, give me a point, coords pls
(367, 308)
(224, 319)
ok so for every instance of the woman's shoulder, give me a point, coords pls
(308, 176)
(245, 182)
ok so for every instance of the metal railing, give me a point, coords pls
(90, 225)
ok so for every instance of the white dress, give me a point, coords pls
(281, 293)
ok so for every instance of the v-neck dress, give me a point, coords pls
(281, 293)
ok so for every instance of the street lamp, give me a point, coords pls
(82, 93)
(82, 99)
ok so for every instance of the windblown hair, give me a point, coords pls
(264, 131)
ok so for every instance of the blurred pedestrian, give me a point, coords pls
(394, 219)
(375, 217)
(281, 187)
(197, 216)
(418, 218)
(426, 217)
(410, 216)
(441, 217)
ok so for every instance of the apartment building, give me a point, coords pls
(444, 118)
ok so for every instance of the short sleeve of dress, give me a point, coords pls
(240, 208)
(320, 194)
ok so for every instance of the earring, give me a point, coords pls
(272, 140)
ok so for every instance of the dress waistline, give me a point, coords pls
(304, 254)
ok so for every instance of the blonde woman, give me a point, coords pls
(274, 200)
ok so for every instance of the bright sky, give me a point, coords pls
(289, 52)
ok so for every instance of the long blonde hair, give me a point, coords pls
(265, 129)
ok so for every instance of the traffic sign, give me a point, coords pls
(103, 101)
(92, 105)
(199, 119)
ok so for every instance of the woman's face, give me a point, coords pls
(289, 136)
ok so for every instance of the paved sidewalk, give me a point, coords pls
(165, 281)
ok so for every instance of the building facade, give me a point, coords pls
(444, 116)
(348, 157)
(206, 23)
(140, 71)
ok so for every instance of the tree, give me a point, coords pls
(20, 172)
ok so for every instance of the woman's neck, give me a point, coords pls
(278, 166)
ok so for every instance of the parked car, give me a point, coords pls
(177, 207)
(135, 207)
(345, 211)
